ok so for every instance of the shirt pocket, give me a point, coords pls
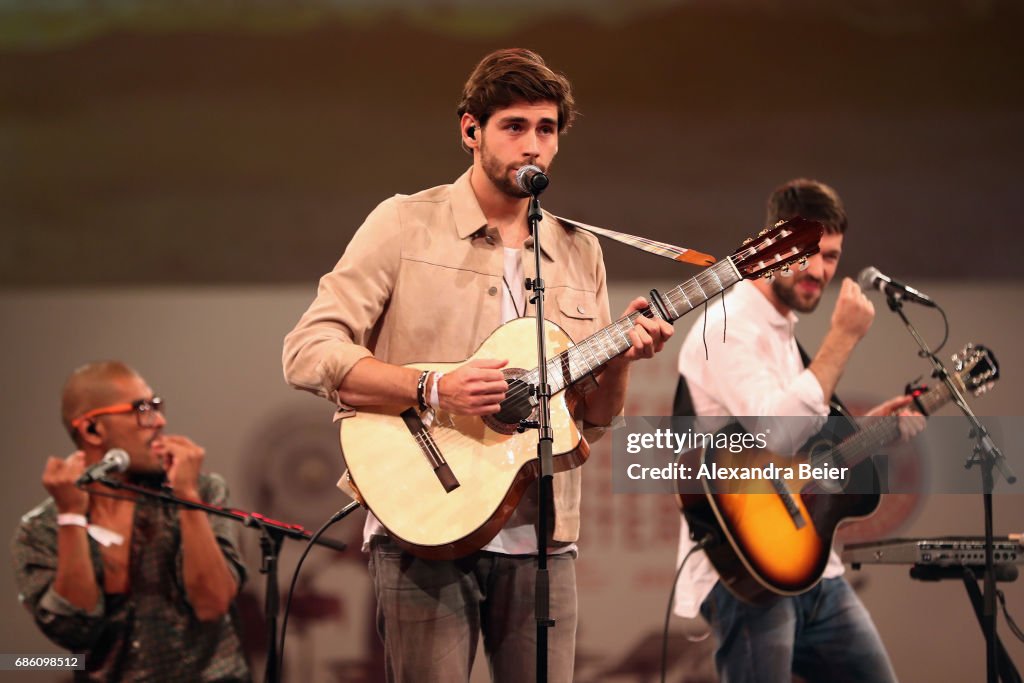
(577, 313)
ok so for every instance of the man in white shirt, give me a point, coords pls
(824, 634)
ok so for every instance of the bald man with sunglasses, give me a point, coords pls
(143, 589)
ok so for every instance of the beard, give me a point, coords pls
(785, 290)
(501, 177)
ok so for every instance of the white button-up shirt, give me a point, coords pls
(756, 372)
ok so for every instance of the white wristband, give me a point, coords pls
(72, 519)
(101, 535)
(435, 402)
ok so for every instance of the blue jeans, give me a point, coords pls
(822, 635)
(430, 615)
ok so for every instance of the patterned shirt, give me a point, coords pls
(149, 633)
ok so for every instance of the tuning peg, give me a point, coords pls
(803, 263)
(748, 241)
(763, 233)
(769, 274)
(964, 353)
(785, 271)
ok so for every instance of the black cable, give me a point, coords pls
(701, 544)
(945, 334)
(337, 516)
(945, 322)
(704, 331)
(725, 318)
(725, 324)
(1009, 620)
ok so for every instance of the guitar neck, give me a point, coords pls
(595, 351)
(882, 431)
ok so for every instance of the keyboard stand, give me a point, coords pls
(1005, 573)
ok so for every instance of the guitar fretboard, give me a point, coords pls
(878, 433)
(594, 351)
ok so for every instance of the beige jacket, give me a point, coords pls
(421, 281)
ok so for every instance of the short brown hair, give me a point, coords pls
(505, 77)
(809, 199)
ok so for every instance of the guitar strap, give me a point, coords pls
(834, 401)
(662, 249)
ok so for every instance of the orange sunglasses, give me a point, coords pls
(145, 410)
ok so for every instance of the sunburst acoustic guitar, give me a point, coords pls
(774, 537)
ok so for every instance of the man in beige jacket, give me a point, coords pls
(427, 278)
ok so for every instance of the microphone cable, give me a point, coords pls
(336, 517)
(703, 543)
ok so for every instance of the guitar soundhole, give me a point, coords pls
(822, 455)
(518, 405)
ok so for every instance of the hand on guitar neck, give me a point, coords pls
(912, 422)
(647, 338)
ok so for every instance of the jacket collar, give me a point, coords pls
(470, 220)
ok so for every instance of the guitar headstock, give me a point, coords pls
(976, 368)
(778, 247)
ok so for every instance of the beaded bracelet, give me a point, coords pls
(421, 390)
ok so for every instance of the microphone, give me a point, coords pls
(531, 180)
(115, 460)
(871, 277)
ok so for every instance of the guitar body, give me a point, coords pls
(763, 545)
(395, 479)
(773, 537)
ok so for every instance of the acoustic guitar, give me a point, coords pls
(772, 536)
(443, 485)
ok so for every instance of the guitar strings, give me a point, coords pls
(565, 359)
(709, 276)
(598, 344)
(865, 441)
(587, 349)
(590, 348)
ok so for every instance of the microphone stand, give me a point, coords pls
(987, 457)
(272, 535)
(542, 391)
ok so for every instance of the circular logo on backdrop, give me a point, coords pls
(293, 463)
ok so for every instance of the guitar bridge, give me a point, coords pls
(787, 501)
(430, 450)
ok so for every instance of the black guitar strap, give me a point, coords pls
(834, 401)
(682, 404)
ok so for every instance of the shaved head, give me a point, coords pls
(89, 387)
